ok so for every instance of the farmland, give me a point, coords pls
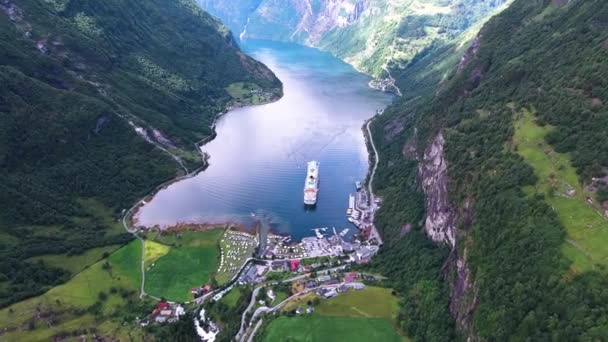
(107, 286)
(365, 315)
(178, 262)
(558, 181)
(330, 328)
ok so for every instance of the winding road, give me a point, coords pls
(372, 198)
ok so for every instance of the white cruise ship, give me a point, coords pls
(311, 185)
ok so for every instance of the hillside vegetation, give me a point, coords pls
(98, 101)
(523, 114)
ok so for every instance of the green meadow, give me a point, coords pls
(366, 315)
(79, 303)
(330, 328)
(587, 229)
(176, 263)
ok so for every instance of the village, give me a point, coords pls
(317, 267)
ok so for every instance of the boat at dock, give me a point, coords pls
(311, 184)
(358, 185)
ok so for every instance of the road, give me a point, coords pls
(254, 295)
(265, 310)
(372, 197)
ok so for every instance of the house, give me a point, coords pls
(351, 276)
(160, 319)
(299, 310)
(167, 312)
(271, 295)
(343, 288)
(250, 275)
(162, 305)
(206, 288)
(294, 265)
(310, 310)
(331, 293)
(324, 278)
(322, 291)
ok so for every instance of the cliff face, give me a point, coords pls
(440, 225)
(433, 171)
(373, 35)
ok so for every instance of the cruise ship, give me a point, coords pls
(311, 185)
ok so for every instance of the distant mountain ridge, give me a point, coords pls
(373, 35)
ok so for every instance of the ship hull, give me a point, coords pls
(311, 184)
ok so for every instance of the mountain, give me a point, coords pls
(373, 35)
(498, 156)
(100, 102)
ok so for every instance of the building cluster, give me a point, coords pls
(165, 312)
(254, 274)
(320, 246)
(201, 291)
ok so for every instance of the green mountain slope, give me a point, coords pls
(502, 162)
(373, 35)
(98, 100)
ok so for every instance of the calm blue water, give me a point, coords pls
(258, 160)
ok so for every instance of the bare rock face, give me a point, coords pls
(440, 225)
(463, 293)
(440, 220)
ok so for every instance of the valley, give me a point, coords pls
(467, 200)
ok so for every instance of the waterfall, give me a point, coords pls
(242, 35)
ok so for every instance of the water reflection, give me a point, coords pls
(258, 160)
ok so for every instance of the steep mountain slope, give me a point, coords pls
(503, 164)
(98, 101)
(370, 34)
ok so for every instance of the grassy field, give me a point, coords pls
(154, 251)
(76, 263)
(242, 92)
(190, 261)
(329, 328)
(232, 297)
(70, 306)
(371, 302)
(366, 315)
(587, 229)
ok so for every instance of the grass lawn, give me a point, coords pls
(371, 302)
(328, 328)
(587, 229)
(154, 251)
(76, 263)
(190, 261)
(242, 91)
(80, 293)
(366, 315)
(232, 297)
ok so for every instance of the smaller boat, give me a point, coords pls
(358, 185)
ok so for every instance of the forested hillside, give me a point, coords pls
(499, 155)
(98, 100)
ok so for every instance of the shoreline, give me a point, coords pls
(130, 217)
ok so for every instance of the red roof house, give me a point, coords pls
(295, 263)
